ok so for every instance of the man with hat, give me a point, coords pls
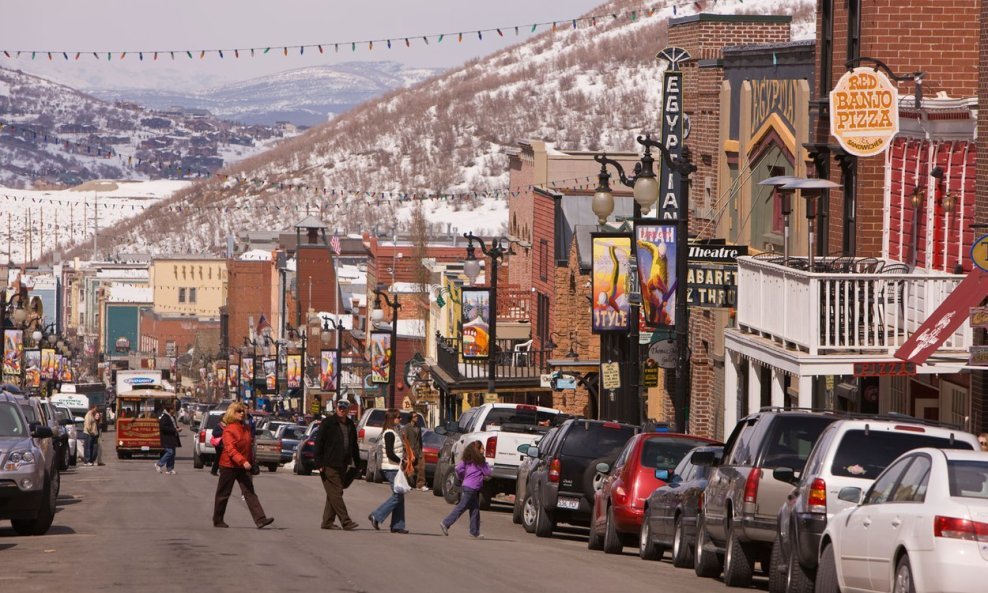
(335, 451)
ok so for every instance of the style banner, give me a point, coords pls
(293, 371)
(655, 244)
(246, 373)
(48, 361)
(611, 264)
(476, 315)
(234, 376)
(13, 350)
(221, 376)
(270, 374)
(32, 368)
(328, 359)
(380, 345)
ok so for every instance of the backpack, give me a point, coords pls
(217, 436)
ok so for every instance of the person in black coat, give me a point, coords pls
(169, 430)
(335, 451)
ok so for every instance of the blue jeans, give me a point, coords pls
(167, 460)
(469, 500)
(394, 505)
(89, 449)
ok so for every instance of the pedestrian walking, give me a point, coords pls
(335, 452)
(217, 442)
(99, 436)
(235, 466)
(413, 434)
(472, 469)
(169, 430)
(90, 428)
(392, 459)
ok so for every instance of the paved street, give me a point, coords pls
(124, 527)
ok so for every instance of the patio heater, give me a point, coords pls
(809, 189)
(785, 196)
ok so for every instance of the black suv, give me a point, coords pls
(561, 484)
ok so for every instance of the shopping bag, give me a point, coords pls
(349, 475)
(401, 485)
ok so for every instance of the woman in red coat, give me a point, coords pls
(235, 464)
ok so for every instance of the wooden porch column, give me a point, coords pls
(730, 393)
(778, 388)
(806, 391)
(754, 386)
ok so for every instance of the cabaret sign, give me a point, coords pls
(864, 111)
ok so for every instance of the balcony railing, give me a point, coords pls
(871, 307)
(512, 365)
(514, 304)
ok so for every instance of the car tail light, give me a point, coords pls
(202, 436)
(620, 494)
(360, 435)
(491, 449)
(310, 443)
(751, 485)
(817, 500)
(910, 428)
(526, 407)
(611, 425)
(954, 528)
(554, 471)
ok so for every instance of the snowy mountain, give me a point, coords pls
(446, 139)
(304, 97)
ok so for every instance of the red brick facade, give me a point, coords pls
(249, 294)
(183, 331)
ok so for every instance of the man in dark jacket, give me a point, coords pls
(336, 450)
(169, 430)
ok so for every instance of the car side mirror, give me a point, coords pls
(703, 458)
(523, 448)
(663, 474)
(603, 468)
(533, 452)
(785, 474)
(65, 422)
(850, 494)
(42, 432)
(441, 430)
(453, 426)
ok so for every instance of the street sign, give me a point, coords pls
(650, 374)
(664, 354)
(545, 380)
(610, 375)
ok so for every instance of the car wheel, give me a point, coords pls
(595, 541)
(273, 467)
(797, 580)
(826, 573)
(738, 566)
(647, 550)
(682, 552)
(302, 469)
(543, 524)
(528, 515)
(612, 541)
(437, 483)
(63, 463)
(705, 563)
(46, 514)
(451, 493)
(197, 461)
(903, 582)
(74, 459)
(776, 576)
(518, 508)
(485, 496)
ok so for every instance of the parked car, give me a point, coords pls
(203, 452)
(922, 526)
(59, 429)
(73, 449)
(737, 523)
(431, 445)
(35, 415)
(368, 431)
(850, 453)
(671, 511)
(289, 435)
(442, 462)
(267, 446)
(28, 472)
(305, 453)
(561, 486)
(619, 503)
(524, 471)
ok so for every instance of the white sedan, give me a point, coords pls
(922, 526)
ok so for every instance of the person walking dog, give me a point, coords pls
(235, 467)
(335, 451)
(472, 469)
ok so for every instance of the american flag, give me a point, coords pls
(335, 244)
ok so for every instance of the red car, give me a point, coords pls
(619, 503)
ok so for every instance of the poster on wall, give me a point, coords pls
(270, 374)
(234, 376)
(48, 363)
(655, 246)
(293, 371)
(13, 350)
(380, 346)
(32, 368)
(611, 309)
(475, 316)
(328, 359)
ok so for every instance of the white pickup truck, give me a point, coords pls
(502, 429)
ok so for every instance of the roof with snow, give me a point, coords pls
(256, 255)
(119, 292)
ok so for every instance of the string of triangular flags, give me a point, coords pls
(633, 14)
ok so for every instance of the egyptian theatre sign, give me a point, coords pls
(864, 111)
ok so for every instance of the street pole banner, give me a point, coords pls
(47, 363)
(655, 244)
(328, 359)
(270, 374)
(234, 376)
(32, 368)
(246, 374)
(380, 346)
(221, 376)
(476, 317)
(293, 371)
(611, 267)
(13, 350)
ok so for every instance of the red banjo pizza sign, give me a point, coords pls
(864, 111)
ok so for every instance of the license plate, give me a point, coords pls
(572, 504)
(145, 448)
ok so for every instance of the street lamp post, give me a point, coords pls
(471, 267)
(376, 316)
(646, 192)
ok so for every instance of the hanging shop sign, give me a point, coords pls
(864, 111)
(650, 373)
(673, 131)
(978, 356)
(663, 353)
(656, 252)
(380, 347)
(475, 311)
(718, 254)
(979, 253)
(611, 265)
(712, 285)
(979, 317)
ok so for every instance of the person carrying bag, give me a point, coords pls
(393, 453)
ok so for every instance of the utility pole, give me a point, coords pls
(95, 220)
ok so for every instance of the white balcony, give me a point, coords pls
(860, 306)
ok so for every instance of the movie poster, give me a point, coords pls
(234, 376)
(475, 316)
(293, 372)
(32, 368)
(656, 249)
(611, 258)
(48, 363)
(380, 346)
(13, 350)
(271, 374)
(327, 370)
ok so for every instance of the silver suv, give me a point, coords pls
(850, 454)
(29, 479)
(202, 451)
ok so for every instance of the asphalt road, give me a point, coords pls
(124, 527)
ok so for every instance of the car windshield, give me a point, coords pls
(792, 438)
(375, 419)
(212, 420)
(968, 478)
(666, 453)
(431, 439)
(866, 454)
(28, 410)
(11, 424)
(597, 440)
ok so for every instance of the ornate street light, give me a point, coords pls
(471, 267)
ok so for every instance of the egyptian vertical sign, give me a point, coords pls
(655, 246)
(673, 131)
(476, 311)
(611, 265)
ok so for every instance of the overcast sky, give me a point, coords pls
(136, 25)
